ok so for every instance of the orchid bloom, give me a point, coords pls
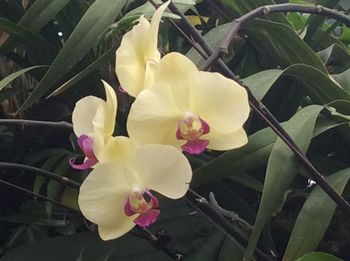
(137, 57)
(93, 123)
(189, 109)
(117, 195)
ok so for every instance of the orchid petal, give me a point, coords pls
(177, 71)
(154, 116)
(164, 169)
(148, 218)
(226, 141)
(195, 147)
(104, 120)
(220, 101)
(83, 114)
(131, 59)
(153, 33)
(119, 149)
(112, 232)
(102, 197)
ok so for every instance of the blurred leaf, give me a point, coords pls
(261, 82)
(343, 79)
(315, 217)
(319, 86)
(279, 43)
(210, 248)
(53, 187)
(282, 168)
(318, 256)
(336, 57)
(41, 12)
(9, 78)
(241, 7)
(32, 41)
(98, 17)
(213, 37)
(81, 75)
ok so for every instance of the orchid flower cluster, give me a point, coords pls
(177, 109)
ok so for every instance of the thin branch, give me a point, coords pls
(237, 24)
(41, 172)
(34, 123)
(155, 240)
(200, 203)
(263, 112)
(27, 191)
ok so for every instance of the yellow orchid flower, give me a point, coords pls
(137, 56)
(189, 109)
(117, 195)
(93, 123)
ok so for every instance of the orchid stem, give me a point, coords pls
(27, 191)
(34, 123)
(41, 172)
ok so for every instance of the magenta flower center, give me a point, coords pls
(190, 128)
(86, 145)
(145, 208)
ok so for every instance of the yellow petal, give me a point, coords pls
(226, 141)
(164, 169)
(153, 34)
(112, 232)
(103, 195)
(83, 114)
(153, 117)
(220, 101)
(119, 149)
(132, 56)
(177, 71)
(111, 110)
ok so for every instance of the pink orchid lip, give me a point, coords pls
(196, 146)
(86, 145)
(147, 211)
(122, 90)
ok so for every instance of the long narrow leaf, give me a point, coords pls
(98, 17)
(282, 168)
(314, 218)
(9, 78)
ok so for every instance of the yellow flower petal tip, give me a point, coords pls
(190, 109)
(137, 56)
(118, 194)
(93, 123)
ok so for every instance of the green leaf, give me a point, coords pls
(41, 12)
(98, 17)
(241, 7)
(315, 217)
(343, 79)
(282, 168)
(277, 42)
(210, 248)
(336, 57)
(261, 82)
(9, 78)
(213, 37)
(318, 256)
(81, 75)
(319, 86)
(32, 41)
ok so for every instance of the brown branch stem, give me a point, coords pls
(35, 123)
